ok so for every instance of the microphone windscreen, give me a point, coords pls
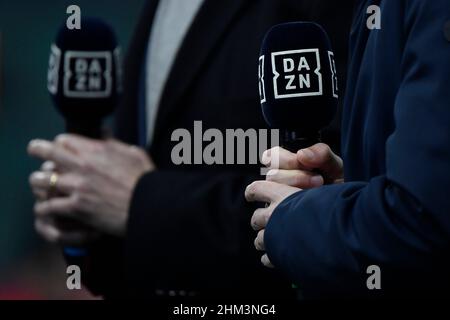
(297, 77)
(84, 74)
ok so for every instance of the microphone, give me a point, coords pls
(297, 82)
(84, 81)
(84, 76)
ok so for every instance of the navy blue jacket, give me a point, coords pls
(394, 208)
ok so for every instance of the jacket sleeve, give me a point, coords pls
(326, 238)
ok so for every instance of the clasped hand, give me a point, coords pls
(86, 182)
(290, 173)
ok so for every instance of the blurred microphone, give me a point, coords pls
(84, 76)
(297, 82)
(84, 82)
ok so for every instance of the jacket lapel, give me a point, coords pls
(208, 28)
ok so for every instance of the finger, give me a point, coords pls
(47, 230)
(119, 146)
(266, 262)
(69, 183)
(40, 180)
(78, 144)
(320, 156)
(260, 218)
(263, 191)
(259, 241)
(295, 178)
(48, 166)
(46, 150)
(76, 237)
(40, 194)
(138, 153)
(51, 232)
(61, 206)
(66, 183)
(279, 158)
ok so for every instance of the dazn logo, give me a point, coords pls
(296, 73)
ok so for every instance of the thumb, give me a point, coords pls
(321, 157)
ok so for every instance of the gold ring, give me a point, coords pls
(53, 180)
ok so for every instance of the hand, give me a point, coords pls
(308, 168)
(290, 173)
(273, 194)
(54, 229)
(40, 191)
(94, 185)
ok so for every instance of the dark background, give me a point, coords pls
(28, 267)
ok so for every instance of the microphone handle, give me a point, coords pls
(294, 141)
(91, 130)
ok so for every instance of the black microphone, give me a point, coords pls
(84, 82)
(84, 76)
(297, 82)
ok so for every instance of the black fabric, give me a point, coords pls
(189, 226)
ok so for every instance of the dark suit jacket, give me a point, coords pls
(394, 209)
(189, 226)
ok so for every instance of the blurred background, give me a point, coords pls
(29, 268)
